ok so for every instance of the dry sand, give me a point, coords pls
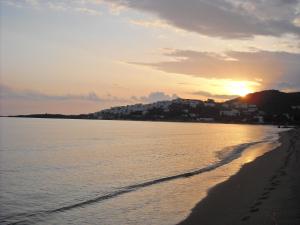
(263, 192)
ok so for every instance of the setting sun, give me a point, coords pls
(240, 88)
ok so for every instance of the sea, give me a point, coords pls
(79, 172)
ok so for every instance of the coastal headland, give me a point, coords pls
(263, 192)
(265, 107)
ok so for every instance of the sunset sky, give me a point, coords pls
(81, 56)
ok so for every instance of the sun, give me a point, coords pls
(240, 88)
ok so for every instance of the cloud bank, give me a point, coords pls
(265, 66)
(217, 18)
(225, 18)
(37, 102)
(154, 97)
(88, 7)
(7, 92)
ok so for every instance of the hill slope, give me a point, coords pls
(271, 101)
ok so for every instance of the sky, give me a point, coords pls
(81, 56)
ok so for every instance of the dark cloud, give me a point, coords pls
(154, 97)
(210, 95)
(265, 65)
(224, 18)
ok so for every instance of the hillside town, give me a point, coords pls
(265, 107)
(196, 110)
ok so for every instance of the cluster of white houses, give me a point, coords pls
(234, 109)
(142, 108)
(163, 105)
(237, 109)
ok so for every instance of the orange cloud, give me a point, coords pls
(263, 66)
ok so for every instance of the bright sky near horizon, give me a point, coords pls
(80, 56)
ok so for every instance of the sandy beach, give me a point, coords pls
(263, 192)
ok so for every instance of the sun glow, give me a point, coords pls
(240, 88)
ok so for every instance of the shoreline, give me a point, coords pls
(264, 191)
(158, 121)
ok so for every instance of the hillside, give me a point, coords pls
(271, 101)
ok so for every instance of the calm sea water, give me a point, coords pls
(117, 172)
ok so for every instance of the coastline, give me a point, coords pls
(264, 191)
(157, 121)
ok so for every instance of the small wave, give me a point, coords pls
(225, 156)
(233, 152)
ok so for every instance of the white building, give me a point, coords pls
(232, 112)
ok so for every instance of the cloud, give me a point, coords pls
(88, 7)
(224, 18)
(34, 3)
(14, 101)
(286, 86)
(12, 3)
(257, 65)
(214, 96)
(154, 97)
(156, 23)
(116, 9)
(150, 23)
(217, 18)
(88, 11)
(57, 6)
(7, 92)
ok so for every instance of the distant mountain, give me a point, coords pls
(271, 101)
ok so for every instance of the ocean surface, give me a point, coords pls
(117, 172)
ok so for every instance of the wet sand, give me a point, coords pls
(264, 192)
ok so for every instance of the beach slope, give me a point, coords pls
(264, 192)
